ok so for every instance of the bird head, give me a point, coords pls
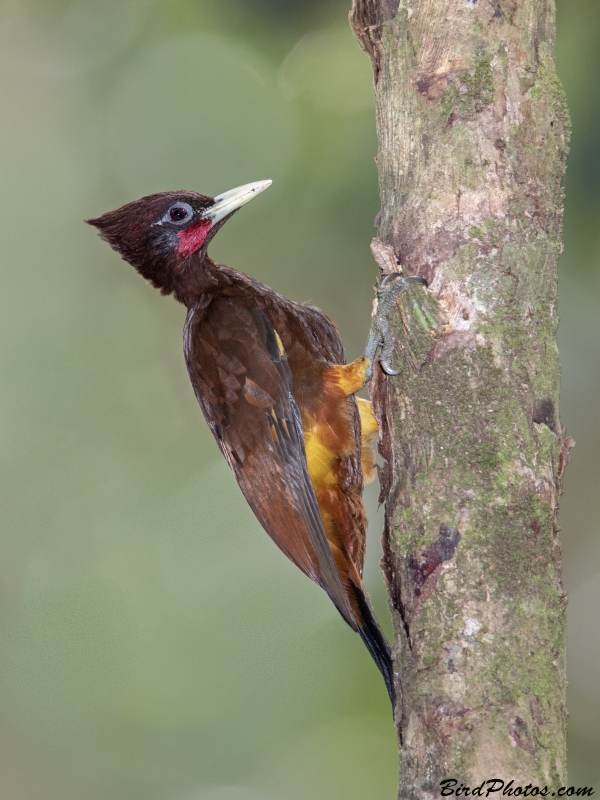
(158, 233)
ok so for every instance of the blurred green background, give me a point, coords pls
(154, 643)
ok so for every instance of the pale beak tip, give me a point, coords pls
(228, 202)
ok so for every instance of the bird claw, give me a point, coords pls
(388, 369)
(391, 276)
(389, 290)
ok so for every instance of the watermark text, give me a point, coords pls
(494, 787)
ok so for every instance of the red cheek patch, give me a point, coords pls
(192, 238)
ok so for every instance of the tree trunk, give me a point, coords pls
(473, 133)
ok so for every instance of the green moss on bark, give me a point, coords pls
(473, 90)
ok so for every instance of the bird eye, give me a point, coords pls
(179, 213)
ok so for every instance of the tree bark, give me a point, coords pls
(473, 134)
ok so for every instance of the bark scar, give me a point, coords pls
(565, 456)
(464, 340)
(518, 733)
(385, 256)
(423, 565)
(367, 18)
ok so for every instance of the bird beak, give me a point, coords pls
(230, 201)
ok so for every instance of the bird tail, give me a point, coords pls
(376, 643)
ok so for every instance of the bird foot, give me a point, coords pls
(381, 336)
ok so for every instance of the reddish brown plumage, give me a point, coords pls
(270, 377)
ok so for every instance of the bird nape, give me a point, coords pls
(271, 379)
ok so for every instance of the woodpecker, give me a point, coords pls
(271, 379)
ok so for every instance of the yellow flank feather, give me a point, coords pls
(369, 430)
(350, 378)
(368, 423)
(319, 460)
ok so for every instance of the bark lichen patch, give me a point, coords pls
(470, 93)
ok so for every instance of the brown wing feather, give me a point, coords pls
(244, 385)
(312, 344)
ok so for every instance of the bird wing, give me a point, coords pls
(242, 380)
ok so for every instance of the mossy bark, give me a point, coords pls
(473, 134)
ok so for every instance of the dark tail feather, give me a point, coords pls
(376, 643)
